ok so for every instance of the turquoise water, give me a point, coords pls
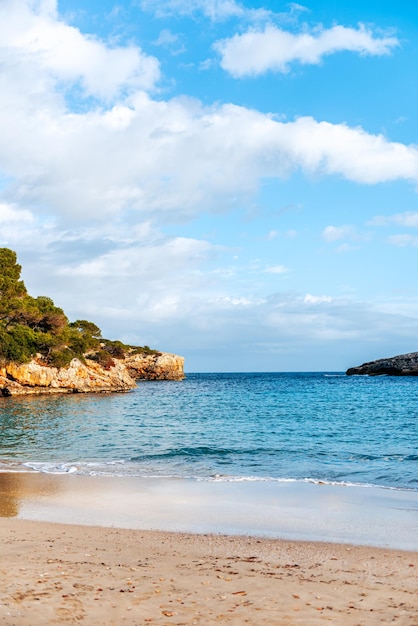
(304, 426)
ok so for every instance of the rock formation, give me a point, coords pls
(37, 378)
(160, 366)
(402, 365)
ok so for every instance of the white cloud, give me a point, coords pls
(214, 9)
(234, 301)
(145, 288)
(221, 10)
(32, 34)
(10, 214)
(145, 259)
(166, 38)
(175, 156)
(336, 233)
(276, 269)
(132, 273)
(408, 219)
(273, 49)
(358, 156)
(403, 241)
(272, 234)
(263, 332)
(170, 40)
(144, 155)
(298, 8)
(310, 299)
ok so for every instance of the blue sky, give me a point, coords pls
(231, 181)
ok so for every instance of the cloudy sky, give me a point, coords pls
(234, 181)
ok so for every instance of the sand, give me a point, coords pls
(287, 510)
(73, 550)
(68, 574)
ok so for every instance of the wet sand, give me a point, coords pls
(286, 510)
(57, 574)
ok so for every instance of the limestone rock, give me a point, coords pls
(160, 366)
(36, 377)
(401, 365)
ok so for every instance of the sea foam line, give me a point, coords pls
(121, 469)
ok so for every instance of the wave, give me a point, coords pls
(335, 375)
(195, 451)
(121, 468)
(382, 457)
(202, 452)
(314, 481)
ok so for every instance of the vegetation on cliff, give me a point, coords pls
(35, 326)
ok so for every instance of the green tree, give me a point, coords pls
(30, 326)
(10, 273)
(12, 289)
(87, 328)
(27, 325)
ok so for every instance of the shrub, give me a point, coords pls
(116, 349)
(145, 350)
(17, 344)
(61, 357)
(103, 358)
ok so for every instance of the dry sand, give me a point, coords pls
(56, 574)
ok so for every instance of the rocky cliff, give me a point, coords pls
(37, 378)
(160, 366)
(402, 365)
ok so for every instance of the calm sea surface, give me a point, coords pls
(304, 426)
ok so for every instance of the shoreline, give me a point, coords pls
(55, 574)
(85, 549)
(299, 511)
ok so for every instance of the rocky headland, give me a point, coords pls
(35, 377)
(41, 351)
(401, 365)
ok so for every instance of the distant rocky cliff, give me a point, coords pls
(160, 366)
(402, 365)
(37, 378)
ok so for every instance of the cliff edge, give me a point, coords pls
(401, 365)
(36, 377)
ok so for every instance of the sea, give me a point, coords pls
(301, 456)
(322, 427)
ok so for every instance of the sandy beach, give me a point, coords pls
(86, 550)
(68, 574)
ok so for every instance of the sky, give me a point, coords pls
(232, 181)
